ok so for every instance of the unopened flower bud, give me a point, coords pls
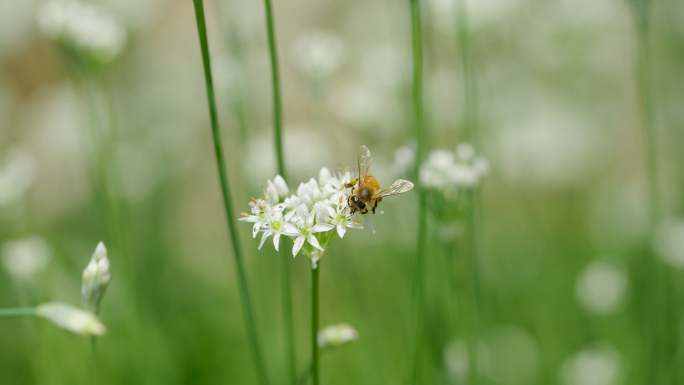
(281, 185)
(96, 277)
(336, 335)
(72, 319)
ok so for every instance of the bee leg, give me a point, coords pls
(375, 205)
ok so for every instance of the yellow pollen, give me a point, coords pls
(357, 223)
(353, 181)
(244, 214)
(260, 207)
(266, 196)
(328, 220)
(340, 199)
(254, 200)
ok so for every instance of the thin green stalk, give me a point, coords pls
(472, 134)
(230, 217)
(93, 352)
(286, 289)
(275, 80)
(315, 374)
(659, 324)
(419, 121)
(18, 312)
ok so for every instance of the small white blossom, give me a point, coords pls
(96, 277)
(72, 319)
(336, 335)
(306, 229)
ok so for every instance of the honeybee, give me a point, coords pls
(366, 195)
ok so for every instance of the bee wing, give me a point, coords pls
(399, 187)
(365, 161)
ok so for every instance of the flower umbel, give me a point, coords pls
(310, 218)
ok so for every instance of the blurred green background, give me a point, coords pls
(119, 149)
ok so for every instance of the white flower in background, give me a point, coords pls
(72, 319)
(336, 335)
(601, 286)
(668, 242)
(16, 176)
(459, 169)
(23, 258)
(510, 356)
(594, 365)
(318, 54)
(96, 277)
(313, 215)
(85, 27)
(456, 360)
(404, 160)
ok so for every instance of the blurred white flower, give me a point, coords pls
(594, 365)
(23, 258)
(336, 335)
(96, 277)
(601, 286)
(668, 241)
(445, 169)
(404, 160)
(510, 356)
(318, 54)
(457, 363)
(16, 175)
(72, 319)
(85, 27)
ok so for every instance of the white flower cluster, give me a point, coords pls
(444, 169)
(85, 27)
(314, 214)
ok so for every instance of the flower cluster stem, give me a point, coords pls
(315, 374)
(218, 147)
(419, 121)
(18, 312)
(93, 353)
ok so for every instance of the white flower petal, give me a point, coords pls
(255, 229)
(276, 240)
(341, 230)
(299, 242)
(281, 185)
(321, 227)
(289, 229)
(314, 242)
(263, 239)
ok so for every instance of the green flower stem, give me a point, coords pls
(419, 121)
(230, 217)
(93, 351)
(18, 312)
(656, 298)
(315, 374)
(275, 77)
(286, 289)
(472, 223)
